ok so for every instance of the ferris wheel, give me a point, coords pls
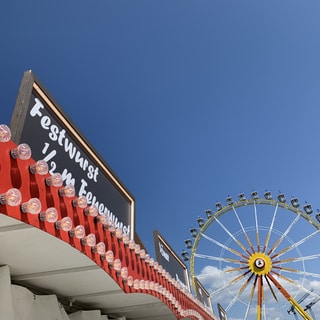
(257, 256)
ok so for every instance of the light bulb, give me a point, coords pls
(64, 224)
(101, 219)
(151, 262)
(89, 240)
(77, 232)
(40, 167)
(80, 202)
(22, 151)
(124, 273)
(132, 244)
(55, 180)
(137, 248)
(12, 197)
(118, 233)
(141, 284)
(100, 248)
(91, 211)
(109, 256)
(5, 133)
(142, 254)
(67, 191)
(136, 284)
(130, 281)
(32, 206)
(112, 226)
(50, 215)
(125, 239)
(117, 265)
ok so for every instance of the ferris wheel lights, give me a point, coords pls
(193, 232)
(200, 222)
(219, 206)
(308, 208)
(209, 213)
(268, 195)
(254, 195)
(242, 197)
(185, 255)
(229, 200)
(188, 243)
(281, 198)
(295, 202)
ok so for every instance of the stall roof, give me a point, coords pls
(47, 265)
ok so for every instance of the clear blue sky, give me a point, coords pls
(187, 101)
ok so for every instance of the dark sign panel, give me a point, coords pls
(222, 313)
(170, 261)
(40, 122)
(202, 294)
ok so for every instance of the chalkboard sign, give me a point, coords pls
(222, 313)
(170, 261)
(202, 294)
(40, 122)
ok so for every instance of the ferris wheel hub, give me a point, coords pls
(260, 263)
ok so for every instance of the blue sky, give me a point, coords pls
(187, 101)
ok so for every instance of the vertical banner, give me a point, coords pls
(222, 312)
(202, 294)
(39, 121)
(170, 261)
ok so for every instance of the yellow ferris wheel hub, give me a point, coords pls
(260, 263)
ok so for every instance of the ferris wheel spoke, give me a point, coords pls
(303, 258)
(296, 244)
(223, 246)
(304, 273)
(221, 259)
(251, 297)
(231, 235)
(235, 298)
(286, 294)
(271, 289)
(260, 298)
(257, 226)
(243, 230)
(238, 269)
(227, 285)
(236, 279)
(310, 292)
(271, 228)
(277, 243)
